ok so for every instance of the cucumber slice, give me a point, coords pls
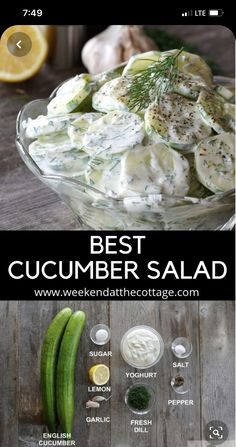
(225, 92)
(212, 110)
(188, 63)
(195, 65)
(69, 163)
(104, 175)
(51, 143)
(113, 95)
(72, 84)
(188, 85)
(185, 85)
(154, 169)
(106, 76)
(78, 128)
(71, 95)
(115, 132)
(177, 121)
(215, 162)
(56, 155)
(196, 189)
(229, 110)
(141, 61)
(47, 125)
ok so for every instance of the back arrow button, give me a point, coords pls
(19, 44)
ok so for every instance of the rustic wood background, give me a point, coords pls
(210, 327)
(27, 204)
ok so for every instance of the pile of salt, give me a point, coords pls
(180, 350)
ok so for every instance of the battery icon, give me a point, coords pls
(216, 12)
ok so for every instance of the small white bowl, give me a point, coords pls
(159, 339)
(182, 341)
(94, 331)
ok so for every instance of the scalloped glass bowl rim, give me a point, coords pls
(23, 151)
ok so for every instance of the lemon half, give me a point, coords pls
(99, 374)
(16, 69)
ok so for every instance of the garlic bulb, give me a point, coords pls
(115, 45)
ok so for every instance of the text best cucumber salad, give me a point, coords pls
(157, 125)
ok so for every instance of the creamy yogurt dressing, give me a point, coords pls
(141, 347)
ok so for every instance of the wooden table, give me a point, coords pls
(27, 204)
(210, 375)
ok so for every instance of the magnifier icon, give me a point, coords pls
(216, 432)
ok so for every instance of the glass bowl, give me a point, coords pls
(134, 365)
(182, 341)
(94, 331)
(95, 210)
(178, 383)
(151, 401)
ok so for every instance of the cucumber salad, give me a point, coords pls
(157, 125)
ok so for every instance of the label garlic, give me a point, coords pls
(115, 45)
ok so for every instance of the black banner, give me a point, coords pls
(103, 13)
(123, 265)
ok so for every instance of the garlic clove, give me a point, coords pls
(115, 45)
(92, 404)
(98, 398)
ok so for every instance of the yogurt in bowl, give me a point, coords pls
(142, 347)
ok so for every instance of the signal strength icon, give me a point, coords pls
(187, 13)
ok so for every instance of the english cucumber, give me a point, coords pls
(66, 371)
(49, 355)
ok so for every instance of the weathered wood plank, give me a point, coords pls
(124, 315)
(9, 381)
(217, 338)
(172, 425)
(178, 424)
(34, 318)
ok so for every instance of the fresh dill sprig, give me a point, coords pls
(153, 81)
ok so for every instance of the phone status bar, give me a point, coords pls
(203, 13)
